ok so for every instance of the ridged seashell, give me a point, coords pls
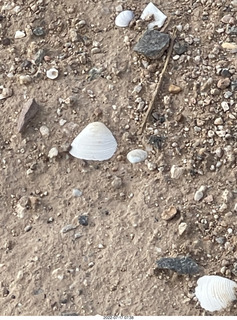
(137, 155)
(214, 292)
(94, 142)
(124, 18)
(52, 73)
(159, 16)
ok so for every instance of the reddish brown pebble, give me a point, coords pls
(169, 213)
(223, 83)
(28, 112)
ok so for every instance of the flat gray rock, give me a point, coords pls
(181, 265)
(152, 44)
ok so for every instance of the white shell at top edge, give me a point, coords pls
(94, 142)
(124, 18)
(159, 16)
(137, 155)
(214, 292)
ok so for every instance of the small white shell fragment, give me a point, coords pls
(124, 18)
(19, 34)
(94, 142)
(76, 193)
(159, 16)
(52, 73)
(137, 155)
(44, 131)
(215, 293)
(53, 152)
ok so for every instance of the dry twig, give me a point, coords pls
(158, 84)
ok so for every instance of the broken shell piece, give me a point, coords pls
(6, 93)
(124, 18)
(52, 73)
(19, 34)
(137, 155)
(159, 16)
(214, 292)
(94, 142)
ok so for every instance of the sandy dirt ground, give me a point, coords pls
(108, 267)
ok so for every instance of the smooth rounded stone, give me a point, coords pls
(38, 31)
(152, 44)
(27, 228)
(200, 193)
(223, 83)
(176, 172)
(44, 131)
(25, 79)
(218, 121)
(20, 34)
(225, 73)
(117, 183)
(182, 228)
(76, 193)
(53, 152)
(83, 220)
(137, 155)
(169, 214)
(174, 89)
(181, 265)
(6, 42)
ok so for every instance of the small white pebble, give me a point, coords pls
(53, 152)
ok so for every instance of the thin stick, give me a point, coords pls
(158, 85)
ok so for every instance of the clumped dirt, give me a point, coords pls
(108, 267)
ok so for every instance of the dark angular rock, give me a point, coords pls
(156, 141)
(83, 220)
(181, 265)
(152, 44)
(180, 47)
(6, 41)
(28, 112)
(38, 31)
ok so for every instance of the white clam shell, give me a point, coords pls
(52, 73)
(137, 155)
(124, 18)
(94, 142)
(159, 16)
(214, 292)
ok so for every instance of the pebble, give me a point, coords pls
(44, 131)
(174, 89)
(176, 172)
(25, 79)
(225, 106)
(169, 213)
(28, 112)
(53, 152)
(151, 166)
(83, 220)
(5, 93)
(117, 183)
(223, 83)
(27, 228)
(229, 46)
(218, 121)
(227, 195)
(182, 228)
(200, 193)
(235, 207)
(76, 193)
(39, 31)
(181, 265)
(152, 44)
(20, 34)
(180, 47)
(77, 235)
(68, 227)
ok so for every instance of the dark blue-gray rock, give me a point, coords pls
(180, 47)
(152, 44)
(83, 220)
(225, 73)
(181, 265)
(38, 31)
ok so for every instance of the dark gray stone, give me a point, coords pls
(225, 73)
(152, 44)
(181, 265)
(38, 31)
(180, 47)
(83, 220)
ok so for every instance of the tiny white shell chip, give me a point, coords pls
(124, 18)
(53, 152)
(52, 73)
(215, 293)
(94, 142)
(137, 155)
(19, 34)
(159, 16)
